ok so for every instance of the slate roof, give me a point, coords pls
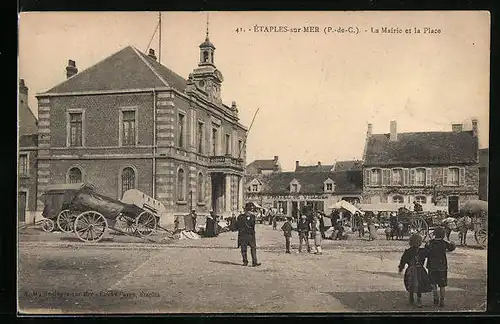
(30, 140)
(350, 165)
(124, 70)
(314, 168)
(484, 156)
(422, 148)
(310, 182)
(263, 164)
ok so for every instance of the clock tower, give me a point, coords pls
(206, 78)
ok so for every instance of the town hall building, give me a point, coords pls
(129, 122)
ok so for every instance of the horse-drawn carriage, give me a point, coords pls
(80, 209)
(402, 221)
(478, 211)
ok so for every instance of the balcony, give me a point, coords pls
(226, 162)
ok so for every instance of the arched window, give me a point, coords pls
(397, 199)
(421, 199)
(205, 56)
(128, 179)
(75, 175)
(201, 187)
(181, 188)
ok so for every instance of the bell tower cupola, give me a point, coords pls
(206, 77)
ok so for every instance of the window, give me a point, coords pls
(201, 196)
(23, 164)
(205, 56)
(75, 175)
(75, 129)
(329, 187)
(181, 188)
(453, 176)
(128, 179)
(375, 177)
(397, 199)
(421, 200)
(295, 187)
(397, 177)
(228, 144)
(200, 137)
(240, 147)
(214, 141)
(128, 128)
(255, 188)
(420, 177)
(180, 135)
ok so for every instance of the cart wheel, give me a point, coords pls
(48, 225)
(421, 227)
(90, 226)
(145, 223)
(66, 221)
(128, 226)
(481, 237)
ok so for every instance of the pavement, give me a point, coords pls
(60, 275)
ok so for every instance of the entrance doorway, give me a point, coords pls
(295, 209)
(21, 205)
(218, 192)
(452, 205)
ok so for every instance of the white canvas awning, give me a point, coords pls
(346, 206)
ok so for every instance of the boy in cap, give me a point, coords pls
(437, 263)
(287, 232)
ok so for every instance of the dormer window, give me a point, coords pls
(329, 185)
(254, 186)
(294, 186)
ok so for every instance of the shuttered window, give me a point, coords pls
(406, 177)
(386, 177)
(453, 176)
(375, 177)
(428, 177)
(397, 177)
(412, 177)
(420, 177)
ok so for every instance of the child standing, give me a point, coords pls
(437, 263)
(287, 232)
(416, 278)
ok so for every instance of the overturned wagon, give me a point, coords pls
(88, 214)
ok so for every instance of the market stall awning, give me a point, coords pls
(346, 206)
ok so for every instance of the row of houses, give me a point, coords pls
(129, 122)
(439, 170)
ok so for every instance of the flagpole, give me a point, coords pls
(159, 38)
(245, 142)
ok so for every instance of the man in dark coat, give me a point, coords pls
(246, 234)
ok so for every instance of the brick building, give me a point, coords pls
(290, 191)
(27, 157)
(438, 168)
(263, 167)
(130, 122)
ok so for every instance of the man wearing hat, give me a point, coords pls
(246, 234)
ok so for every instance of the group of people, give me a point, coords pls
(211, 226)
(419, 279)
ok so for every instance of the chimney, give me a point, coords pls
(474, 127)
(22, 87)
(456, 128)
(296, 164)
(394, 131)
(151, 54)
(319, 163)
(275, 158)
(71, 69)
(369, 130)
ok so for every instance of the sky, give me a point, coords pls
(315, 91)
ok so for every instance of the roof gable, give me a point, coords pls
(422, 148)
(311, 183)
(124, 70)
